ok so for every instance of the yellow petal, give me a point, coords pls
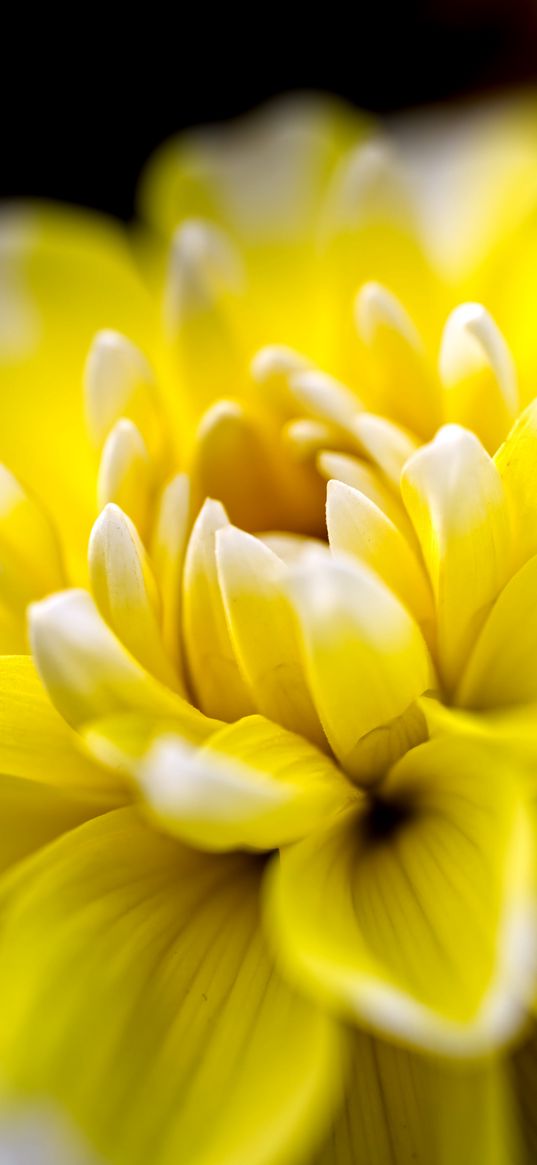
(30, 558)
(366, 663)
(34, 813)
(272, 369)
(262, 626)
(388, 445)
(358, 474)
(87, 671)
(502, 668)
(369, 232)
(262, 178)
(454, 495)
(125, 591)
(218, 683)
(250, 785)
(402, 381)
(126, 474)
(324, 398)
(168, 547)
(358, 527)
(119, 382)
(155, 960)
(416, 917)
(205, 280)
(69, 273)
(479, 375)
(404, 1107)
(515, 461)
(231, 464)
(247, 467)
(37, 744)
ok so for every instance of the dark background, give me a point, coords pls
(83, 105)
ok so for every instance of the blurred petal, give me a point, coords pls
(479, 375)
(119, 382)
(515, 461)
(403, 381)
(417, 1110)
(37, 744)
(162, 983)
(69, 273)
(388, 445)
(30, 559)
(251, 785)
(126, 474)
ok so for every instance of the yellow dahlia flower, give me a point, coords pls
(269, 635)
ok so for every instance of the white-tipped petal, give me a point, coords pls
(325, 399)
(272, 368)
(368, 186)
(478, 373)
(118, 383)
(357, 526)
(203, 265)
(377, 310)
(219, 686)
(263, 632)
(126, 474)
(30, 557)
(125, 591)
(388, 445)
(455, 497)
(366, 663)
(86, 670)
(168, 548)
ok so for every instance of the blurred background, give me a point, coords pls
(86, 101)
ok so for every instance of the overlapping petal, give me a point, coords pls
(416, 917)
(163, 990)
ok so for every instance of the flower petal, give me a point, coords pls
(262, 626)
(454, 495)
(30, 559)
(168, 548)
(515, 461)
(366, 663)
(402, 379)
(421, 1110)
(126, 474)
(69, 273)
(119, 382)
(479, 375)
(251, 785)
(161, 982)
(88, 673)
(417, 918)
(502, 668)
(37, 744)
(358, 527)
(218, 683)
(124, 588)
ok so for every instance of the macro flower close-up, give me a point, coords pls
(268, 648)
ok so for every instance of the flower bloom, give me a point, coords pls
(269, 635)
